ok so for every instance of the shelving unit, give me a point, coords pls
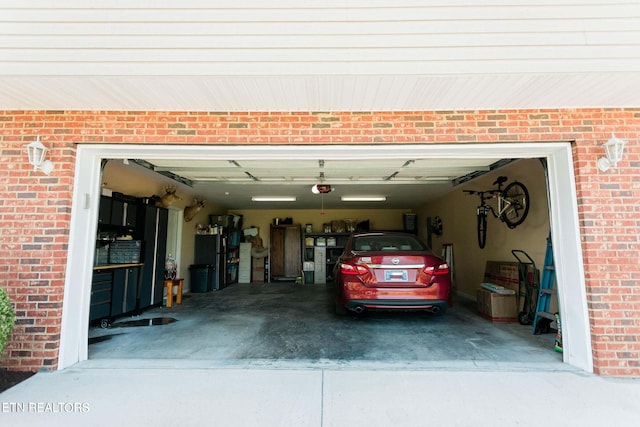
(233, 256)
(323, 249)
(231, 230)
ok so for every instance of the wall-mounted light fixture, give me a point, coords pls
(37, 153)
(613, 148)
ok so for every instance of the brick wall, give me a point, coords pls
(35, 209)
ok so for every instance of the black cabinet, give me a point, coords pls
(117, 211)
(114, 291)
(124, 290)
(210, 258)
(101, 294)
(104, 212)
(131, 215)
(152, 230)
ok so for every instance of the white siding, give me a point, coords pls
(210, 39)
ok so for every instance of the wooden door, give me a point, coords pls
(285, 256)
(292, 251)
(276, 253)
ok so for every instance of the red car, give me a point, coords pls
(390, 270)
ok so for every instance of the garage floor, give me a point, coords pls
(295, 323)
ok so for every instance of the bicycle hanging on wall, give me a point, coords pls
(511, 208)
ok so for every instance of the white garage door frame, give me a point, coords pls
(563, 209)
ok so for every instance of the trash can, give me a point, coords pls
(308, 277)
(202, 277)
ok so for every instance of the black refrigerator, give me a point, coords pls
(209, 263)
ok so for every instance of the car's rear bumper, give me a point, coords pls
(353, 293)
(414, 304)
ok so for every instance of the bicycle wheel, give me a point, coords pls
(482, 229)
(517, 197)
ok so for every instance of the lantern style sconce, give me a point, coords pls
(37, 153)
(613, 148)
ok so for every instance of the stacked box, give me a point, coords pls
(498, 308)
(257, 270)
(503, 273)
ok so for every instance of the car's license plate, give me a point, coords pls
(395, 275)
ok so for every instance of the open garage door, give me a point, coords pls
(562, 197)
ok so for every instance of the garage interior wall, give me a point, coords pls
(458, 213)
(36, 209)
(379, 219)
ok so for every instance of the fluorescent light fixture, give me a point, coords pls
(273, 199)
(363, 198)
(436, 178)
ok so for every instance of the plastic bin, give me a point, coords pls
(308, 277)
(235, 238)
(202, 278)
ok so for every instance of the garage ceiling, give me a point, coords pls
(405, 183)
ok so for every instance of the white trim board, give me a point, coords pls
(563, 209)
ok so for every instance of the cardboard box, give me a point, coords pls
(257, 270)
(503, 273)
(507, 274)
(496, 307)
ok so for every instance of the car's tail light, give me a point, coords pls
(436, 270)
(353, 269)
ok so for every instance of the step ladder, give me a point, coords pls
(546, 289)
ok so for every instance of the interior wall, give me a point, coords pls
(380, 219)
(458, 213)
